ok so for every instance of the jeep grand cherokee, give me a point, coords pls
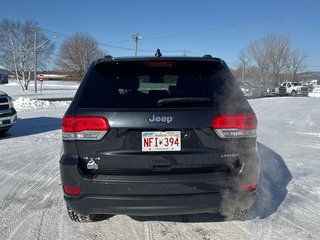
(158, 136)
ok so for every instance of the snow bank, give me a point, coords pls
(12, 83)
(28, 103)
(25, 103)
(314, 94)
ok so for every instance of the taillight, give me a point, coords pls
(159, 64)
(235, 125)
(84, 127)
(71, 190)
(249, 187)
(68, 123)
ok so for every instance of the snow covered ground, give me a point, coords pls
(287, 205)
(50, 89)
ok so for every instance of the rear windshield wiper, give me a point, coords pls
(167, 101)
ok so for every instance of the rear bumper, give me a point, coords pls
(153, 205)
(146, 205)
(151, 195)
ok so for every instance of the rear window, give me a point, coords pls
(156, 85)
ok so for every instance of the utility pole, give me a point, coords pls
(35, 63)
(243, 71)
(35, 59)
(136, 38)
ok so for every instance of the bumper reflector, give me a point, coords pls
(71, 190)
(249, 187)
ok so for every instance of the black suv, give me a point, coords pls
(8, 115)
(159, 136)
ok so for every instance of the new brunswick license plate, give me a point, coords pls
(161, 141)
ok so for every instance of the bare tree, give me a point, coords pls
(260, 56)
(17, 49)
(274, 58)
(271, 54)
(279, 48)
(244, 63)
(77, 53)
(297, 63)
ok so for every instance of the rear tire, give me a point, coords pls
(77, 217)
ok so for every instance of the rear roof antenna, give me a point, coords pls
(158, 53)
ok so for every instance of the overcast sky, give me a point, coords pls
(220, 28)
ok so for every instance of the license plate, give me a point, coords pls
(161, 141)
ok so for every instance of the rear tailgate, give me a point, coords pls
(125, 150)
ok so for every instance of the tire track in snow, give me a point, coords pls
(30, 209)
(135, 228)
(21, 194)
(176, 227)
(6, 176)
(290, 230)
(25, 185)
(50, 218)
(149, 231)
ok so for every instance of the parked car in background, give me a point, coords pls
(246, 89)
(272, 89)
(293, 89)
(311, 87)
(3, 75)
(258, 90)
(276, 90)
(8, 115)
(269, 91)
(253, 90)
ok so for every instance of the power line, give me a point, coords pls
(228, 25)
(108, 44)
(100, 43)
(54, 32)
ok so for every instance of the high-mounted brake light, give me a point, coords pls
(235, 125)
(159, 64)
(84, 127)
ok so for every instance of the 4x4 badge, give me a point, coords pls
(92, 164)
(158, 119)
